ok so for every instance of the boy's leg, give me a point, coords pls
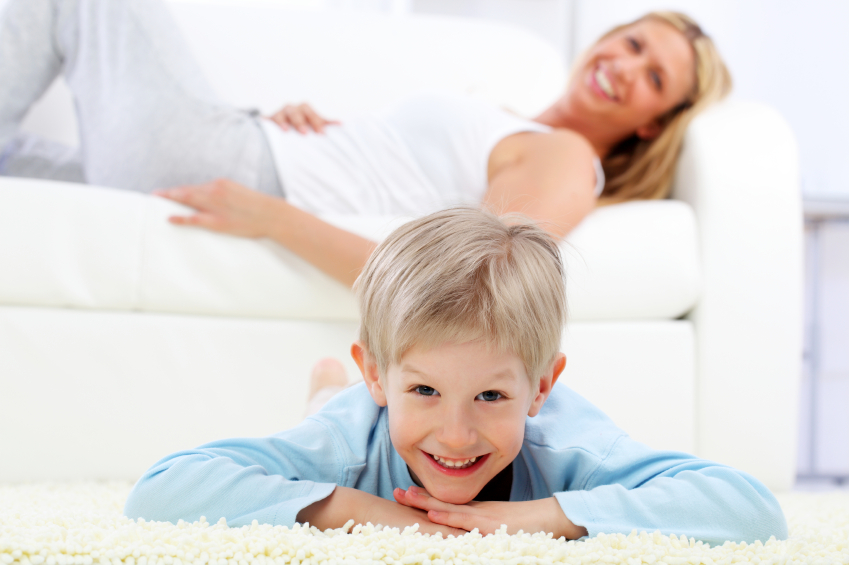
(148, 118)
(328, 377)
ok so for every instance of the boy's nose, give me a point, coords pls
(457, 429)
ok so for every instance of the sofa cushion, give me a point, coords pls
(76, 246)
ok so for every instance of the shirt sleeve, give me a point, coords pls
(244, 479)
(637, 488)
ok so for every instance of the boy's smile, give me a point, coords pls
(457, 414)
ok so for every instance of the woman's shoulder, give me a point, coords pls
(577, 144)
(557, 147)
(580, 151)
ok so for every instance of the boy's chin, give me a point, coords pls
(452, 494)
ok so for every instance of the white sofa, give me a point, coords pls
(123, 338)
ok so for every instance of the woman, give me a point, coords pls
(148, 121)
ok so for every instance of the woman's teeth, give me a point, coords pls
(455, 464)
(604, 84)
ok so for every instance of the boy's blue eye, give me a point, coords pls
(425, 390)
(489, 396)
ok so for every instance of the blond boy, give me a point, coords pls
(458, 424)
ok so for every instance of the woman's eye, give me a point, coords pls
(425, 390)
(655, 79)
(489, 396)
(634, 44)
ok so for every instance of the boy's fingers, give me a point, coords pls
(408, 498)
(400, 496)
(461, 520)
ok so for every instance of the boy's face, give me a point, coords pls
(457, 412)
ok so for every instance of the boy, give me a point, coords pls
(459, 419)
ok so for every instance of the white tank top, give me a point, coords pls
(425, 154)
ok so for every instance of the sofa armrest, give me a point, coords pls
(739, 171)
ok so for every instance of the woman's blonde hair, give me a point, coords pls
(643, 168)
(460, 275)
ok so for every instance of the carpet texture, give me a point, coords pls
(81, 524)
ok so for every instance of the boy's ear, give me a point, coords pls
(368, 367)
(546, 382)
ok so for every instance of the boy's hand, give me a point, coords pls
(347, 503)
(544, 515)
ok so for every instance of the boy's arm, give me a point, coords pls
(633, 488)
(532, 516)
(291, 476)
(266, 479)
(638, 488)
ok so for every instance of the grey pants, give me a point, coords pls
(148, 118)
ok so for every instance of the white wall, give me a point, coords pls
(550, 19)
(824, 408)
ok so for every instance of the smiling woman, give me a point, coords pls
(625, 111)
(661, 65)
(149, 120)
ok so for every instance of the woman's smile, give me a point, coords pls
(602, 84)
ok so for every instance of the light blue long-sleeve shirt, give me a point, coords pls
(603, 480)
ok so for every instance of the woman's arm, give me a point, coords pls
(548, 177)
(227, 207)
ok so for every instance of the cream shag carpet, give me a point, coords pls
(81, 524)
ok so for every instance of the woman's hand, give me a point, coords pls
(228, 207)
(544, 515)
(301, 117)
(224, 206)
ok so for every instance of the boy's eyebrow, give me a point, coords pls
(406, 369)
(506, 374)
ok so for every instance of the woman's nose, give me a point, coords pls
(628, 67)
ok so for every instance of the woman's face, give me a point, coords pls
(631, 78)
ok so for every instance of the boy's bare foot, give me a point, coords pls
(328, 372)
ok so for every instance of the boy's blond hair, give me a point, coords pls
(459, 275)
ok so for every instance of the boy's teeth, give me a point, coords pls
(455, 464)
